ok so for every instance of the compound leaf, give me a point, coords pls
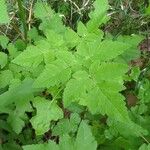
(92, 90)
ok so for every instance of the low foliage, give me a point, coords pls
(62, 89)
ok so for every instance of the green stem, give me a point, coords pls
(22, 15)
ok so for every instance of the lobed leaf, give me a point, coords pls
(46, 112)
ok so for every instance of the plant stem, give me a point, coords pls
(22, 15)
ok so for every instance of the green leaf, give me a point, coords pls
(75, 120)
(33, 34)
(144, 147)
(31, 57)
(127, 129)
(92, 90)
(46, 112)
(85, 139)
(71, 38)
(99, 15)
(3, 59)
(54, 23)
(65, 126)
(97, 50)
(12, 51)
(67, 57)
(62, 127)
(15, 122)
(34, 55)
(66, 142)
(132, 52)
(76, 88)
(42, 10)
(4, 18)
(103, 71)
(4, 41)
(5, 77)
(147, 10)
(11, 145)
(55, 39)
(55, 73)
(20, 45)
(81, 29)
(18, 94)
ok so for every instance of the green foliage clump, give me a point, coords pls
(64, 91)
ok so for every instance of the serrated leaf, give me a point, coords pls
(62, 127)
(45, 47)
(34, 55)
(85, 139)
(65, 126)
(99, 15)
(114, 48)
(42, 10)
(4, 41)
(54, 23)
(103, 71)
(33, 34)
(74, 121)
(31, 57)
(55, 39)
(99, 50)
(12, 51)
(81, 29)
(5, 77)
(46, 112)
(132, 52)
(19, 93)
(106, 95)
(71, 38)
(3, 59)
(100, 7)
(111, 104)
(20, 45)
(77, 88)
(3, 11)
(55, 73)
(67, 57)
(92, 90)
(66, 142)
(126, 128)
(15, 122)
(144, 147)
